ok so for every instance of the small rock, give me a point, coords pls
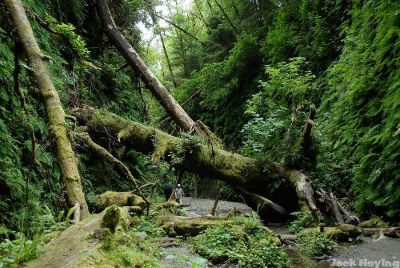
(141, 235)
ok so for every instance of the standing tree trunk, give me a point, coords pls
(55, 112)
(227, 18)
(158, 30)
(170, 105)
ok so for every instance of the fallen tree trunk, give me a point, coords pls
(55, 112)
(345, 231)
(393, 232)
(187, 226)
(168, 102)
(254, 176)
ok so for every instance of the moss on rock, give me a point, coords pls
(116, 219)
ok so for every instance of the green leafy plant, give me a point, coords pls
(69, 32)
(248, 246)
(147, 224)
(316, 244)
(303, 219)
(126, 249)
(278, 112)
(20, 250)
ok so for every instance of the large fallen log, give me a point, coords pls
(187, 226)
(265, 179)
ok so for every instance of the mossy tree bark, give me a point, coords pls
(257, 178)
(54, 109)
(171, 106)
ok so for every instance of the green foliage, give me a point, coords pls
(223, 86)
(20, 250)
(24, 183)
(246, 244)
(284, 96)
(303, 219)
(316, 244)
(309, 29)
(68, 31)
(147, 224)
(360, 112)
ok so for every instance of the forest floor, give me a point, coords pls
(371, 250)
(72, 246)
(382, 248)
(177, 253)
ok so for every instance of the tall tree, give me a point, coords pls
(158, 30)
(55, 111)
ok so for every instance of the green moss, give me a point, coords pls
(111, 218)
(374, 222)
(341, 233)
(110, 198)
(127, 250)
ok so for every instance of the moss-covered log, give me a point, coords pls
(264, 179)
(341, 233)
(187, 226)
(120, 199)
(55, 112)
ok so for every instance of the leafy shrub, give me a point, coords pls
(20, 250)
(303, 219)
(288, 90)
(147, 224)
(69, 32)
(248, 246)
(263, 253)
(316, 244)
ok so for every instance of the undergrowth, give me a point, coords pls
(17, 247)
(303, 219)
(316, 244)
(244, 241)
(129, 250)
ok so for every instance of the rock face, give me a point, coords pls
(118, 198)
